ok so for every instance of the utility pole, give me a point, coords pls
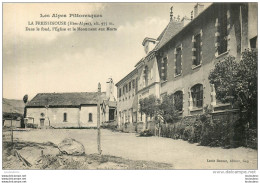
(98, 119)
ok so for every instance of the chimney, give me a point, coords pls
(110, 89)
(149, 44)
(185, 20)
(198, 8)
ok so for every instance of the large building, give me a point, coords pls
(179, 61)
(71, 109)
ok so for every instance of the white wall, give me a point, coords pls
(84, 116)
(75, 117)
(55, 115)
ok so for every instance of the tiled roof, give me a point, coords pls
(171, 30)
(65, 99)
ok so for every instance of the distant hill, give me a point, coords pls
(13, 106)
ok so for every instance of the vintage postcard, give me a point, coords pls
(130, 86)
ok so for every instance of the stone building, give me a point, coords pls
(127, 99)
(71, 109)
(179, 61)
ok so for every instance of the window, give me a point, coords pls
(164, 63)
(197, 95)
(136, 85)
(146, 75)
(129, 86)
(125, 89)
(253, 42)
(120, 92)
(133, 84)
(178, 100)
(178, 61)
(65, 117)
(197, 50)
(222, 48)
(90, 117)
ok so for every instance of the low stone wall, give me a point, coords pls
(14, 123)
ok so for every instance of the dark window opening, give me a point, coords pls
(197, 47)
(90, 117)
(146, 75)
(136, 86)
(65, 117)
(222, 31)
(178, 61)
(120, 92)
(253, 42)
(129, 86)
(164, 68)
(178, 100)
(197, 95)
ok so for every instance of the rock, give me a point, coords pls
(71, 147)
(33, 154)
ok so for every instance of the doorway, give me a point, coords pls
(42, 122)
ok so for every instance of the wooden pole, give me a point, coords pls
(12, 133)
(98, 119)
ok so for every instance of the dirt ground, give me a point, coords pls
(128, 151)
(52, 159)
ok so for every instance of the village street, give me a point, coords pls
(179, 153)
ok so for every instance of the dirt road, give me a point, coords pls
(179, 153)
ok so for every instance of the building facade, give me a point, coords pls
(179, 61)
(71, 109)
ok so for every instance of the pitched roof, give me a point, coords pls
(180, 29)
(65, 99)
(129, 75)
(172, 28)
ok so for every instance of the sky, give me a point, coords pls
(75, 61)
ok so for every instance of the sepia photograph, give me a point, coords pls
(130, 86)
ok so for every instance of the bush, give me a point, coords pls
(197, 126)
(221, 133)
(146, 133)
(252, 138)
(31, 125)
(188, 133)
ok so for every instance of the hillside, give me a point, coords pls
(13, 106)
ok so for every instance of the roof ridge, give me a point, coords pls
(67, 92)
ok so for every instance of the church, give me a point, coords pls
(79, 109)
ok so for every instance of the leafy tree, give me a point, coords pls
(165, 110)
(169, 109)
(236, 82)
(149, 106)
(25, 100)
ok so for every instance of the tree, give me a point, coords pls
(149, 106)
(25, 100)
(236, 82)
(169, 109)
(166, 109)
